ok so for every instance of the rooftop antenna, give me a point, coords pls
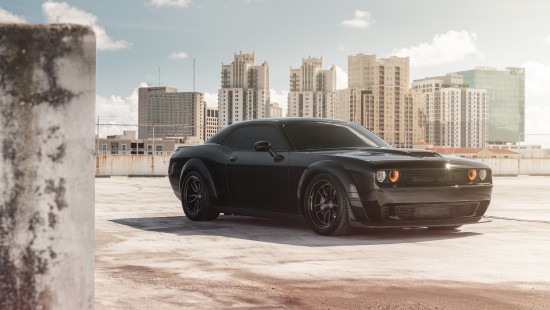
(193, 74)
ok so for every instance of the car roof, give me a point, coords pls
(220, 135)
(288, 120)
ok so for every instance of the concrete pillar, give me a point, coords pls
(47, 106)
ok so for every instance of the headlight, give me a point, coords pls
(482, 174)
(394, 176)
(472, 174)
(380, 176)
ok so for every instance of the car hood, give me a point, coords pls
(401, 157)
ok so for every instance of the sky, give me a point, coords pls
(154, 42)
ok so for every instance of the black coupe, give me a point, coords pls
(330, 173)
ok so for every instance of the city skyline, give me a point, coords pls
(170, 34)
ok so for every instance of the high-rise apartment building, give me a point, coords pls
(244, 92)
(505, 101)
(379, 99)
(211, 121)
(454, 115)
(312, 90)
(165, 112)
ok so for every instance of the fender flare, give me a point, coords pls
(355, 208)
(198, 165)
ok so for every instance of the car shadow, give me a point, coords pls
(285, 232)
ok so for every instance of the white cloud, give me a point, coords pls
(211, 99)
(341, 78)
(179, 55)
(10, 18)
(280, 97)
(537, 103)
(341, 47)
(444, 48)
(117, 110)
(361, 19)
(167, 3)
(537, 80)
(61, 12)
(547, 39)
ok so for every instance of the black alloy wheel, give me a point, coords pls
(326, 206)
(195, 199)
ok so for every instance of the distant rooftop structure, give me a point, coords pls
(475, 152)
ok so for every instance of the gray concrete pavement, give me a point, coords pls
(148, 255)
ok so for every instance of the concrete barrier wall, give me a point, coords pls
(140, 165)
(118, 165)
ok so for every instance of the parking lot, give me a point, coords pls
(149, 256)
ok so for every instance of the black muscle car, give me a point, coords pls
(330, 173)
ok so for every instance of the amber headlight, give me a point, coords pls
(482, 174)
(394, 176)
(472, 174)
(380, 176)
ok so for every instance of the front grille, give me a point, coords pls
(429, 211)
(434, 177)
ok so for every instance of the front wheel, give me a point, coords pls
(326, 206)
(195, 198)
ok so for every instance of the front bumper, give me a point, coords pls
(421, 206)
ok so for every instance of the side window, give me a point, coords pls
(244, 138)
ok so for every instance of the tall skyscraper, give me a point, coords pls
(505, 101)
(312, 90)
(379, 99)
(244, 92)
(455, 115)
(165, 112)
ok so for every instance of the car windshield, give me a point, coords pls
(319, 135)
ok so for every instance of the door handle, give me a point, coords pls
(233, 158)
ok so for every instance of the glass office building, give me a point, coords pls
(505, 101)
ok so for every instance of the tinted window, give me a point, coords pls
(317, 135)
(244, 138)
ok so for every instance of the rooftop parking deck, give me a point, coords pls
(149, 256)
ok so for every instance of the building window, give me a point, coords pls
(104, 148)
(149, 149)
(124, 149)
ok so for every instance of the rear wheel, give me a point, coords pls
(326, 206)
(196, 201)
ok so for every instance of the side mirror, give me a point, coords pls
(262, 146)
(265, 146)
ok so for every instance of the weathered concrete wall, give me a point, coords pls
(47, 107)
(117, 165)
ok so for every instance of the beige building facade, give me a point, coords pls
(127, 144)
(211, 121)
(165, 112)
(455, 115)
(312, 90)
(379, 99)
(244, 92)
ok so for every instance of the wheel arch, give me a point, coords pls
(330, 167)
(199, 166)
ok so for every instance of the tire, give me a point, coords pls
(195, 198)
(443, 228)
(326, 206)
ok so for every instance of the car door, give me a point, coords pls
(257, 180)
